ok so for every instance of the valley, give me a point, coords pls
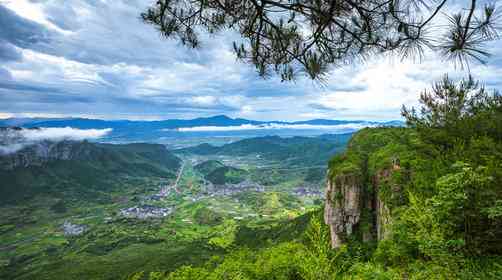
(157, 215)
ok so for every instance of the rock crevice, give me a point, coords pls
(354, 205)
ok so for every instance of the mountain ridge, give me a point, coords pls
(49, 167)
(217, 120)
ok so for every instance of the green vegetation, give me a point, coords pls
(226, 174)
(434, 211)
(219, 174)
(90, 172)
(295, 151)
(440, 181)
(208, 166)
(100, 181)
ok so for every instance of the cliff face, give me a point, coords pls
(347, 198)
(19, 150)
(362, 187)
(42, 152)
(383, 218)
(343, 207)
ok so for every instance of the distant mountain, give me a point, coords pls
(220, 120)
(152, 131)
(23, 121)
(72, 169)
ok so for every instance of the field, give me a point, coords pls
(216, 202)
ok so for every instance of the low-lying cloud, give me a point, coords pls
(271, 126)
(13, 140)
(63, 133)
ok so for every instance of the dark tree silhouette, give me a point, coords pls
(308, 36)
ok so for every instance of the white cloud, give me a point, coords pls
(204, 100)
(63, 133)
(13, 140)
(349, 126)
(32, 11)
(5, 115)
(12, 148)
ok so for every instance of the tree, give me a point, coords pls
(463, 121)
(456, 114)
(292, 36)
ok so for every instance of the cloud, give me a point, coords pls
(272, 126)
(5, 74)
(63, 133)
(72, 58)
(19, 31)
(13, 140)
(11, 148)
(8, 52)
(64, 16)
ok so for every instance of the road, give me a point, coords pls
(178, 178)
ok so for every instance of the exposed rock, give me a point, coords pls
(37, 154)
(342, 211)
(383, 220)
(346, 200)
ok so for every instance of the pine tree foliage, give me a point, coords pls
(308, 36)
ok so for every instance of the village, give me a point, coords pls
(154, 205)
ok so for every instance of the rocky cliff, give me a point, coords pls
(37, 154)
(343, 206)
(364, 184)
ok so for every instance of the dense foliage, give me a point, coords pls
(444, 199)
(219, 174)
(294, 151)
(92, 170)
(463, 124)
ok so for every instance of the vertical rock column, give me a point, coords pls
(343, 207)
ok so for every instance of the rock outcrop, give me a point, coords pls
(342, 211)
(347, 199)
(39, 153)
(361, 188)
(16, 150)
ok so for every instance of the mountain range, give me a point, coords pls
(124, 131)
(220, 121)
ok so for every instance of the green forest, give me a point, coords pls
(438, 180)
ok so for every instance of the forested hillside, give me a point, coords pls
(423, 202)
(297, 150)
(72, 169)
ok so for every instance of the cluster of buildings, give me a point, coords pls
(145, 212)
(303, 191)
(231, 189)
(70, 229)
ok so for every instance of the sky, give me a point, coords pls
(96, 59)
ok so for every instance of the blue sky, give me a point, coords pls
(95, 58)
